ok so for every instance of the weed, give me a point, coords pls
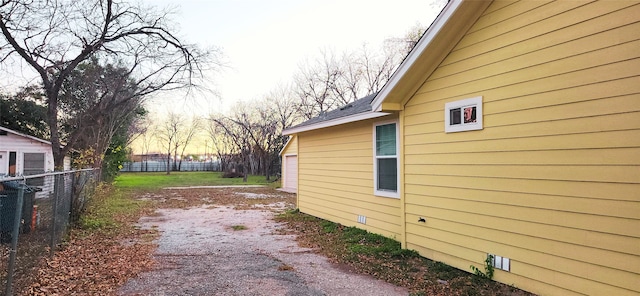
(284, 267)
(488, 268)
(329, 227)
(238, 227)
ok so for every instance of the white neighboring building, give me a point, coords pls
(22, 154)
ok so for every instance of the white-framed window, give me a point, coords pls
(463, 115)
(386, 169)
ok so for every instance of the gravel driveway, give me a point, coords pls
(200, 253)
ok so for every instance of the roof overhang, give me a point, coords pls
(334, 122)
(23, 135)
(437, 42)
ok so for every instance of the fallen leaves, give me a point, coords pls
(99, 261)
(94, 264)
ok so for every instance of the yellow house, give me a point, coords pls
(511, 129)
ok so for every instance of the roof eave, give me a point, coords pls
(334, 122)
(441, 37)
(25, 136)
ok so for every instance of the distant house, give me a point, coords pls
(22, 154)
(512, 129)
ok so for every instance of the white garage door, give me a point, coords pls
(291, 178)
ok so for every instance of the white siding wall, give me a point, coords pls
(21, 145)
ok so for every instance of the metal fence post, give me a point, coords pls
(14, 241)
(56, 193)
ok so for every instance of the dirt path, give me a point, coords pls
(200, 253)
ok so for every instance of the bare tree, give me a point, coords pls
(54, 37)
(222, 144)
(185, 135)
(377, 68)
(237, 137)
(348, 85)
(329, 82)
(167, 134)
(283, 100)
(315, 84)
(146, 138)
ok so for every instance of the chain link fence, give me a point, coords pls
(160, 166)
(35, 214)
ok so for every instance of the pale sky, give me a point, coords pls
(265, 41)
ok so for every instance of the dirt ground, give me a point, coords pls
(227, 244)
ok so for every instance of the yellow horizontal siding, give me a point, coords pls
(331, 158)
(608, 156)
(515, 18)
(533, 123)
(584, 38)
(498, 5)
(563, 18)
(336, 179)
(600, 173)
(346, 173)
(336, 154)
(541, 236)
(292, 147)
(320, 179)
(513, 72)
(595, 140)
(553, 179)
(613, 191)
(469, 246)
(601, 207)
(532, 251)
(606, 224)
(350, 208)
(539, 94)
(355, 185)
(538, 88)
(357, 198)
(380, 219)
(498, 13)
(499, 101)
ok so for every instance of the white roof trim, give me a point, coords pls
(429, 35)
(26, 136)
(334, 122)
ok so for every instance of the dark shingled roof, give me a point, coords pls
(356, 107)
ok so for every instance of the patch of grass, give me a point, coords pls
(328, 226)
(109, 209)
(384, 258)
(285, 267)
(159, 180)
(238, 227)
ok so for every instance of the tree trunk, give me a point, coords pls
(245, 168)
(52, 121)
(168, 162)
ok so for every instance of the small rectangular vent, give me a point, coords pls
(502, 263)
(362, 219)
